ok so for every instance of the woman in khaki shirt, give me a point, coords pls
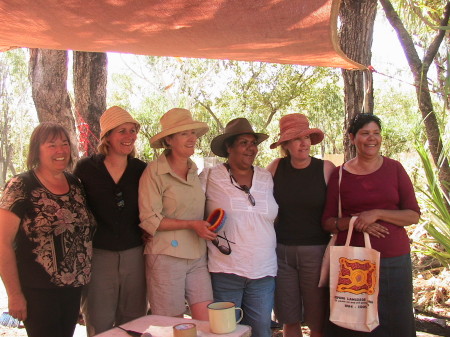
(171, 207)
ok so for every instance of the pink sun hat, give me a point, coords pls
(297, 125)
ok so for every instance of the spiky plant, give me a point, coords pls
(438, 225)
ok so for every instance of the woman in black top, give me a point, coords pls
(117, 292)
(299, 189)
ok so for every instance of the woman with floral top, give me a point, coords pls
(46, 235)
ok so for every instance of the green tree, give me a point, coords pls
(398, 112)
(419, 67)
(16, 119)
(218, 91)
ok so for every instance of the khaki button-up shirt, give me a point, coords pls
(162, 194)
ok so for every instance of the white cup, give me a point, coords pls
(222, 317)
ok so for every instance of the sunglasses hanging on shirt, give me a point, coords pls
(120, 202)
(222, 248)
(243, 188)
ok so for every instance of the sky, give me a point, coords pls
(388, 56)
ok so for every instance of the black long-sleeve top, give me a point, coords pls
(115, 206)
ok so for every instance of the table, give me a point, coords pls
(161, 326)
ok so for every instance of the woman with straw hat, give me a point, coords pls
(117, 292)
(171, 205)
(242, 261)
(300, 183)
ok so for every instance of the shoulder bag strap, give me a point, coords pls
(339, 203)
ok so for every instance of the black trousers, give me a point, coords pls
(52, 312)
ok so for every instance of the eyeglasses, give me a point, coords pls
(120, 202)
(243, 188)
(223, 249)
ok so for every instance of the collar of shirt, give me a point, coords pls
(164, 168)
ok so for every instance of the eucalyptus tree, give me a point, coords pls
(48, 75)
(422, 18)
(357, 20)
(419, 67)
(90, 78)
(16, 118)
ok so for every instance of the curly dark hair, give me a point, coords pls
(359, 120)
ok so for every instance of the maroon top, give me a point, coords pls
(387, 188)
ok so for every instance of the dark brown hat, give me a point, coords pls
(238, 126)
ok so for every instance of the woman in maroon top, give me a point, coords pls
(377, 190)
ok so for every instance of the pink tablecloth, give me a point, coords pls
(161, 326)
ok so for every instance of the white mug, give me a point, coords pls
(222, 317)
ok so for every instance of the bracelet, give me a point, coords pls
(336, 223)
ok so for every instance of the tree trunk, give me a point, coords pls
(356, 36)
(90, 77)
(419, 69)
(6, 150)
(440, 62)
(48, 75)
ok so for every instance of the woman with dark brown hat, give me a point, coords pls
(116, 293)
(300, 183)
(242, 259)
(171, 205)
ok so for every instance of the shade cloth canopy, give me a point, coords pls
(278, 31)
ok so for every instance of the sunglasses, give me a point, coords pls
(120, 202)
(223, 249)
(243, 188)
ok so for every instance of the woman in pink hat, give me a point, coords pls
(300, 183)
(116, 293)
(172, 205)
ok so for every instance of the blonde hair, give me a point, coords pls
(103, 146)
(284, 152)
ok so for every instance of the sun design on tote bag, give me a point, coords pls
(356, 276)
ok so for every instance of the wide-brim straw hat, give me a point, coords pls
(113, 117)
(177, 120)
(238, 126)
(297, 125)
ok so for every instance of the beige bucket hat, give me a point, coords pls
(113, 117)
(177, 120)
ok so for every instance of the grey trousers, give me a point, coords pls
(117, 291)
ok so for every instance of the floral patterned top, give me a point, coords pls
(54, 242)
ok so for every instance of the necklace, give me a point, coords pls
(243, 188)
